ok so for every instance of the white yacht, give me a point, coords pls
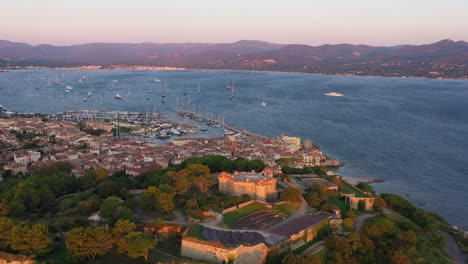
(334, 94)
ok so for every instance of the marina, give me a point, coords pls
(373, 132)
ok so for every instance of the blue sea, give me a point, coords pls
(412, 133)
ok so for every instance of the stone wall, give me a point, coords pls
(230, 209)
(7, 258)
(354, 202)
(297, 240)
(217, 253)
(264, 189)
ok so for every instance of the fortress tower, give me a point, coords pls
(256, 185)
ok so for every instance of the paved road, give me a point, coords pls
(453, 250)
(359, 221)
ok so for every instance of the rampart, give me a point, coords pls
(217, 253)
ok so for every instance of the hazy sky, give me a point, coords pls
(313, 22)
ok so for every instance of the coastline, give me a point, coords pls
(163, 68)
(351, 180)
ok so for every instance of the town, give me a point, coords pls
(30, 143)
(240, 198)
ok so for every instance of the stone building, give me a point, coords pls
(353, 202)
(258, 186)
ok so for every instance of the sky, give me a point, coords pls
(312, 22)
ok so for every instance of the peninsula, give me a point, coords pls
(240, 198)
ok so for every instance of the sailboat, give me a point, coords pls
(230, 87)
(162, 90)
(118, 96)
(56, 82)
(157, 80)
(29, 80)
(232, 94)
(263, 104)
(198, 90)
(85, 100)
(90, 93)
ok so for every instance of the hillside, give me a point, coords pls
(445, 58)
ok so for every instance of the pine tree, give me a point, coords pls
(140, 247)
(31, 240)
(6, 224)
(90, 241)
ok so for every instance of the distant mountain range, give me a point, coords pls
(445, 58)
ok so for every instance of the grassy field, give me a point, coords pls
(286, 209)
(348, 188)
(196, 231)
(335, 200)
(231, 217)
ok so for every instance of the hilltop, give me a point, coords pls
(444, 59)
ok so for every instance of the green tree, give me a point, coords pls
(32, 240)
(165, 201)
(313, 199)
(400, 258)
(378, 226)
(140, 246)
(90, 241)
(351, 214)
(362, 205)
(338, 182)
(109, 207)
(245, 197)
(157, 224)
(347, 224)
(149, 197)
(108, 188)
(182, 185)
(328, 207)
(6, 224)
(123, 227)
(291, 195)
(124, 241)
(203, 183)
(379, 204)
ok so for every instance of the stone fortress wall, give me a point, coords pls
(209, 251)
(258, 186)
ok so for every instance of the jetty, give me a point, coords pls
(211, 121)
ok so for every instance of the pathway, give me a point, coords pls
(453, 250)
(359, 221)
(314, 248)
